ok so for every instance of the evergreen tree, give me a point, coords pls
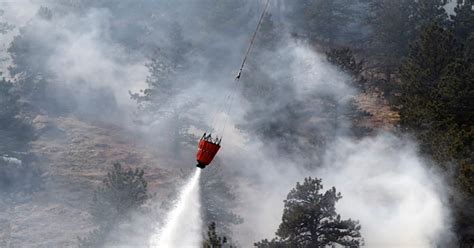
(437, 88)
(15, 131)
(164, 69)
(121, 192)
(395, 24)
(391, 24)
(422, 71)
(213, 240)
(275, 243)
(321, 20)
(424, 86)
(28, 52)
(429, 11)
(463, 19)
(310, 220)
(9, 107)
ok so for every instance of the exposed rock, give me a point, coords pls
(41, 123)
(382, 116)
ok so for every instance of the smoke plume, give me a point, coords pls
(280, 128)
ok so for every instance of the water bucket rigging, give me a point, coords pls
(207, 145)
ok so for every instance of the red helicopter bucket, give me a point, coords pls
(207, 150)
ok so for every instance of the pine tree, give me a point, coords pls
(321, 20)
(15, 131)
(164, 68)
(395, 24)
(122, 191)
(463, 19)
(28, 53)
(310, 220)
(429, 11)
(421, 74)
(8, 103)
(437, 89)
(213, 240)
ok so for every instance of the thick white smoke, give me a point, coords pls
(91, 59)
(390, 189)
(81, 55)
(385, 182)
(183, 224)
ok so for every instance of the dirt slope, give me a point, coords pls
(73, 156)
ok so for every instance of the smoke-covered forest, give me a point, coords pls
(351, 123)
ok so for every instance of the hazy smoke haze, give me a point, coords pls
(95, 62)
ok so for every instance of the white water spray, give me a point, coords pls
(183, 223)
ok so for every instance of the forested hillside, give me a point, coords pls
(102, 104)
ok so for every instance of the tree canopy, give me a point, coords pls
(310, 220)
(122, 191)
(213, 240)
(322, 20)
(436, 100)
(395, 24)
(437, 88)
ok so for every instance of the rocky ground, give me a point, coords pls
(381, 115)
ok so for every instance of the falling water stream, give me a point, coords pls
(182, 227)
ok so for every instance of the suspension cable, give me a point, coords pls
(252, 40)
(247, 53)
(229, 99)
